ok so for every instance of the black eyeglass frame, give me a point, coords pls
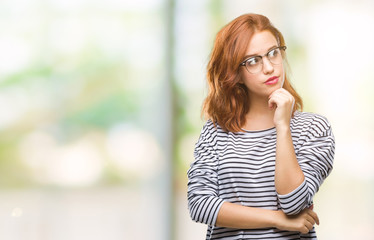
(265, 55)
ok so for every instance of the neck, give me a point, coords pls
(260, 106)
(259, 116)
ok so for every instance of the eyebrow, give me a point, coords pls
(254, 55)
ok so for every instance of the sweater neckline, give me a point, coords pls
(258, 133)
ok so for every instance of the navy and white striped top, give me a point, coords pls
(239, 168)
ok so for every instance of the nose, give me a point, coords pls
(267, 67)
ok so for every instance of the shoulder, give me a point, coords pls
(308, 117)
(209, 129)
(313, 123)
(211, 132)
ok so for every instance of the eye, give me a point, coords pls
(253, 61)
(273, 53)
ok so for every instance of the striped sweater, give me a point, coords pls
(239, 168)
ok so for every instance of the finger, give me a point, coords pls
(310, 219)
(308, 225)
(304, 230)
(279, 99)
(287, 96)
(273, 93)
(276, 101)
(281, 90)
(278, 91)
(271, 103)
(284, 94)
(314, 216)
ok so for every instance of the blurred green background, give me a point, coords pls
(100, 110)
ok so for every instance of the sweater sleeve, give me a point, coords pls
(315, 157)
(203, 200)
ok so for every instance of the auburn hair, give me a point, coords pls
(227, 100)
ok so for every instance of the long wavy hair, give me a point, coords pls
(227, 100)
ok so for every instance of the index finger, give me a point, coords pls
(314, 216)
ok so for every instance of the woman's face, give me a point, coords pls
(269, 77)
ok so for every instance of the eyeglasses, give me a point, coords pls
(255, 64)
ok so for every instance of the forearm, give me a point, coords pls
(233, 215)
(288, 174)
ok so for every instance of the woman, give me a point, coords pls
(259, 159)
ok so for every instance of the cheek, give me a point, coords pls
(249, 81)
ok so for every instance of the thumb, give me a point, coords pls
(271, 103)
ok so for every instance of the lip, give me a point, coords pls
(272, 80)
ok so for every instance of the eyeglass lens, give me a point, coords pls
(255, 64)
